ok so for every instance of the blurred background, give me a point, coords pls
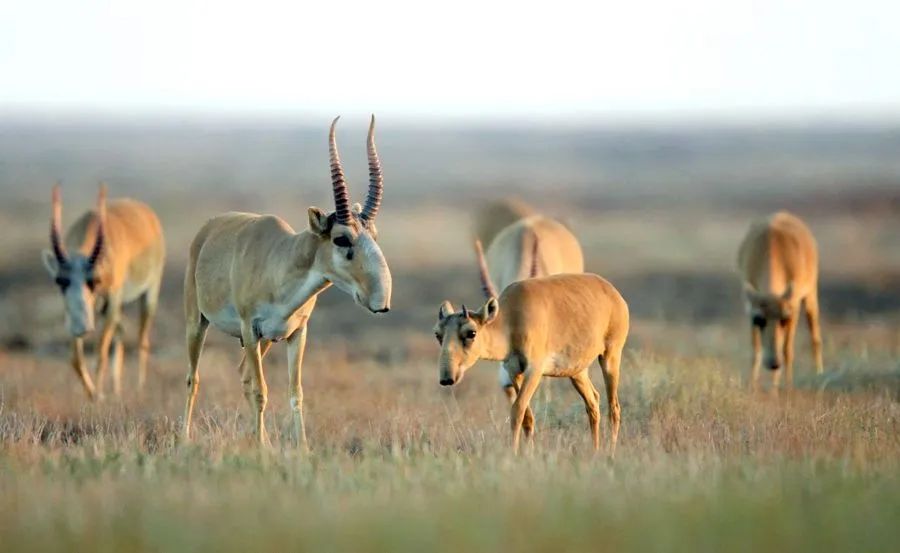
(657, 131)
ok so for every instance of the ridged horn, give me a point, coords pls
(338, 183)
(55, 226)
(100, 240)
(376, 179)
(486, 285)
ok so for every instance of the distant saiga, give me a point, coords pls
(253, 277)
(114, 254)
(779, 264)
(531, 247)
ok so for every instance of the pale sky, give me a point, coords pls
(452, 58)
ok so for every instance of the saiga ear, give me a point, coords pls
(445, 311)
(788, 292)
(318, 221)
(50, 262)
(752, 295)
(489, 311)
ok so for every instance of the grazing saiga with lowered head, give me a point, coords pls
(114, 254)
(779, 265)
(530, 247)
(548, 326)
(253, 277)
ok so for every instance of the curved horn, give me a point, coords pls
(465, 311)
(533, 272)
(341, 196)
(55, 223)
(99, 241)
(376, 179)
(486, 285)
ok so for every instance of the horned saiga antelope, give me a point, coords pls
(530, 247)
(114, 255)
(779, 264)
(253, 277)
(548, 326)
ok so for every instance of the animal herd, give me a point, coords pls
(255, 278)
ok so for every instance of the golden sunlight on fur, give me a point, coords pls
(254, 278)
(549, 326)
(779, 264)
(114, 254)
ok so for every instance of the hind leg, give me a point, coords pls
(811, 306)
(591, 397)
(196, 334)
(148, 304)
(104, 341)
(609, 364)
(118, 354)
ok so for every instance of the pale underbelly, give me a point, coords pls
(267, 322)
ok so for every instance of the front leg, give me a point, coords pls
(110, 326)
(261, 397)
(756, 340)
(80, 370)
(528, 419)
(790, 333)
(296, 344)
(532, 377)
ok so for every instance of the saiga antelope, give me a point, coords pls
(779, 264)
(514, 255)
(549, 326)
(114, 254)
(256, 279)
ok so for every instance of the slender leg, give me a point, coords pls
(296, 345)
(756, 338)
(247, 380)
(532, 378)
(528, 420)
(811, 305)
(118, 353)
(590, 395)
(110, 324)
(148, 312)
(261, 397)
(609, 364)
(196, 334)
(80, 370)
(790, 334)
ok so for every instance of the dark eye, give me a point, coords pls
(63, 282)
(92, 283)
(784, 321)
(470, 335)
(440, 338)
(759, 320)
(342, 242)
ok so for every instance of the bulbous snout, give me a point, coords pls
(773, 364)
(447, 381)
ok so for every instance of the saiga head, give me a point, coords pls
(461, 337)
(349, 254)
(771, 314)
(75, 272)
(460, 334)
